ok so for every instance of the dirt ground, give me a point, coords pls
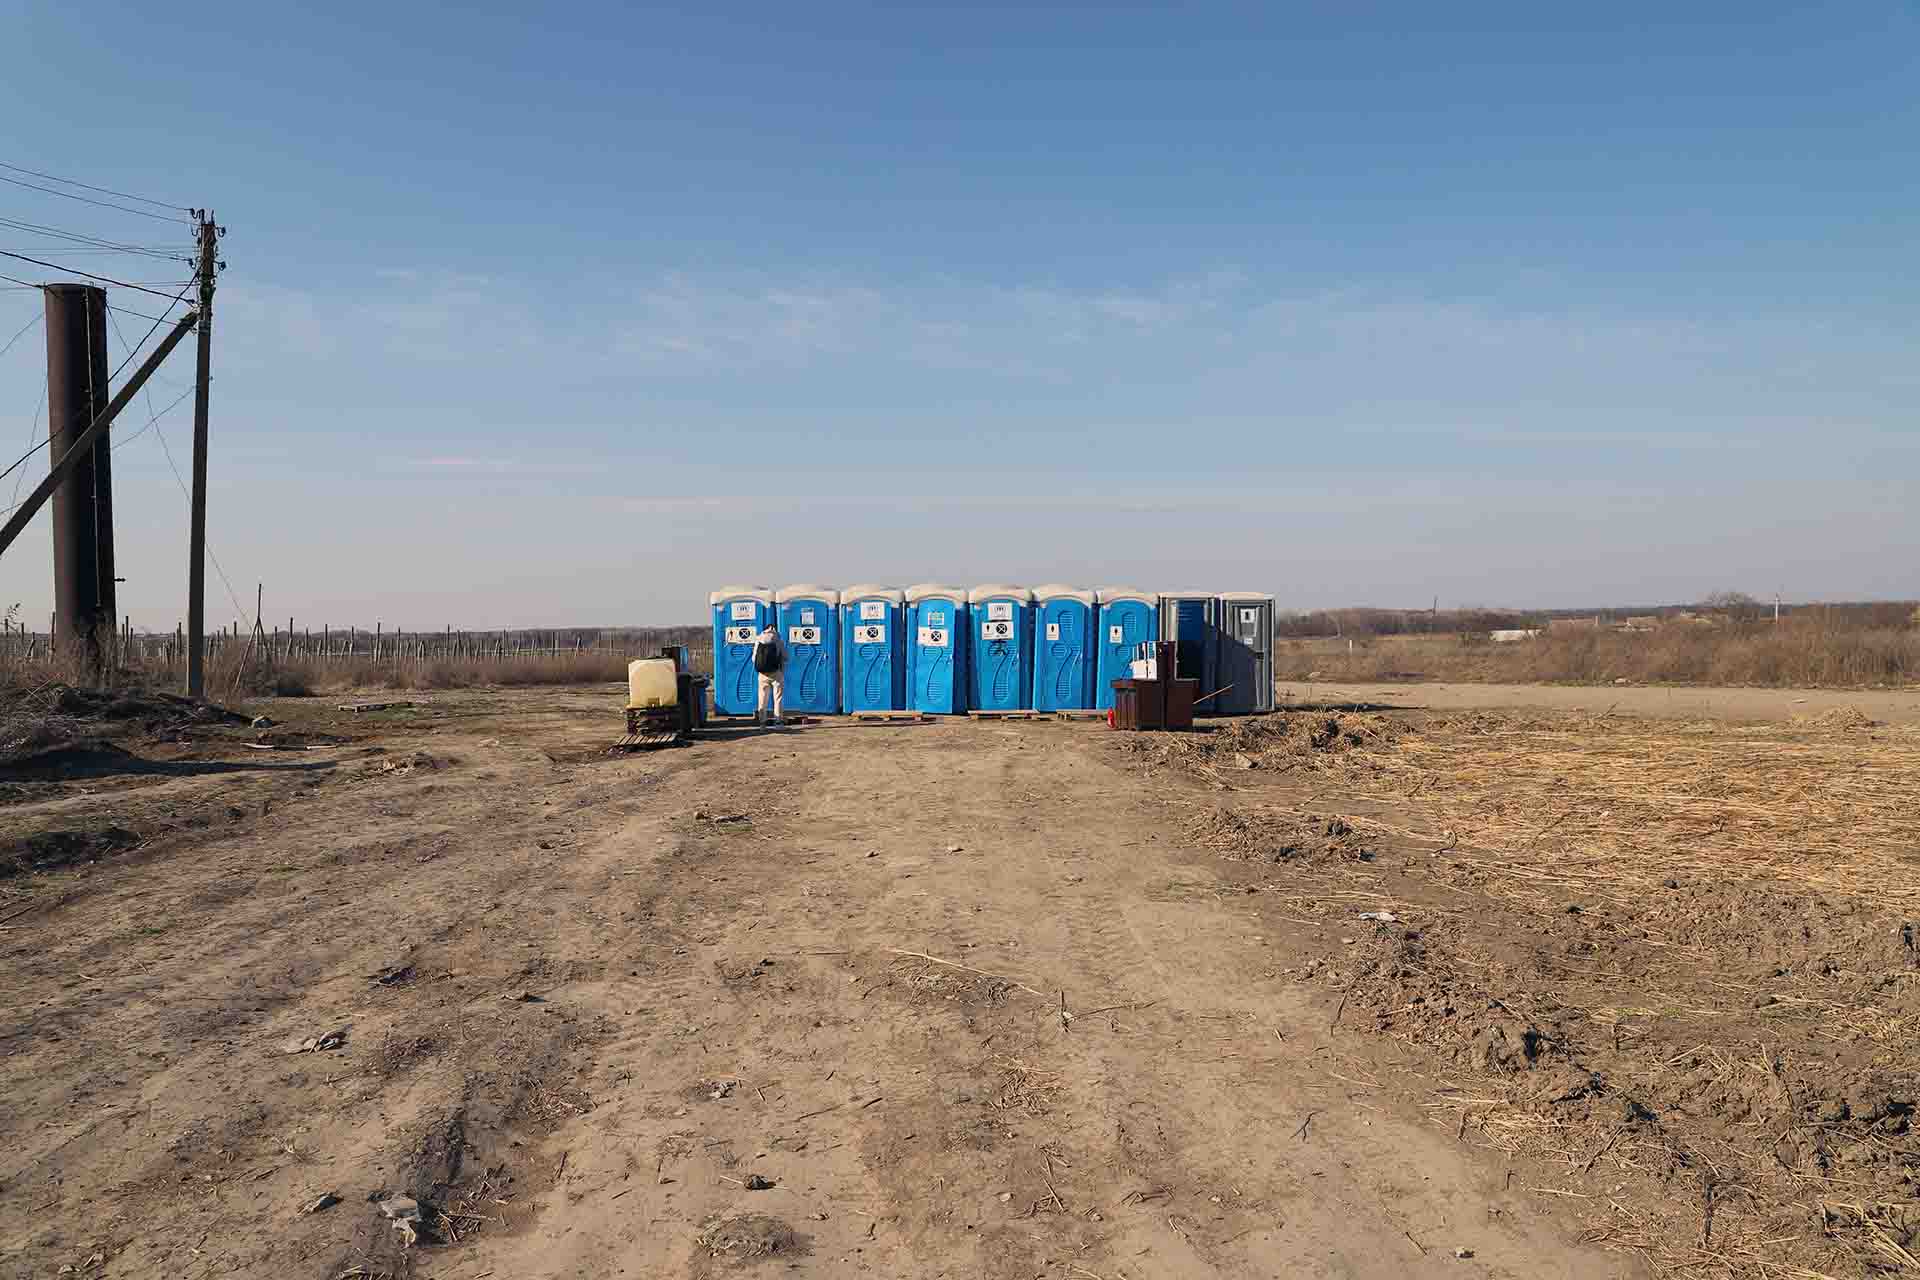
(960, 999)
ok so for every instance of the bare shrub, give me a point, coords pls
(239, 670)
(455, 673)
(1812, 648)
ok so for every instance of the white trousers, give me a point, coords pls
(777, 682)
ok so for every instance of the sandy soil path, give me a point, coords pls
(961, 993)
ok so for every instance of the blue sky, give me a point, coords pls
(547, 316)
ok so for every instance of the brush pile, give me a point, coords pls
(1340, 741)
(1281, 837)
(52, 716)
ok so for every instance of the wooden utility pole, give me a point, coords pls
(204, 270)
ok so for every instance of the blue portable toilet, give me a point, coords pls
(1126, 620)
(1063, 657)
(1191, 619)
(936, 649)
(810, 625)
(873, 652)
(739, 614)
(1000, 648)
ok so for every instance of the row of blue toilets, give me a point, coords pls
(931, 648)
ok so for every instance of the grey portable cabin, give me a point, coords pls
(1191, 619)
(1245, 654)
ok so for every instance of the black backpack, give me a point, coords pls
(766, 658)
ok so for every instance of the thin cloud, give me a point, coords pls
(499, 466)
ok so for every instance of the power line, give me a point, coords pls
(238, 608)
(119, 445)
(105, 191)
(33, 429)
(75, 250)
(138, 315)
(37, 446)
(27, 284)
(81, 237)
(104, 204)
(151, 284)
(156, 325)
(23, 328)
(161, 436)
(91, 275)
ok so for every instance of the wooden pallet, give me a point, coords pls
(642, 741)
(891, 717)
(1010, 715)
(1080, 714)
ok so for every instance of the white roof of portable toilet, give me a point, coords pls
(1059, 591)
(872, 591)
(806, 591)
(931, 590)
(1190, 595)
(1246, 595)
(725, 594)
(994, 590)
(1105, 595)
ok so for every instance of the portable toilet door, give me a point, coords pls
(936, 649)
(1000, 622)
(1125, 620)
(739, 614)
(1246, 653)
(810, 627)
(873, 656)
(1191, 619)
(1062, 648)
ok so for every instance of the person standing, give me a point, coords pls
(770, 662)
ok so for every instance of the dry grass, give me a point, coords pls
(29, 719)
(1622, 804)
(232, 673)
(1803, 651)
(747, 1238)
(1711, 920)
(455, 673)
(1023, 1088)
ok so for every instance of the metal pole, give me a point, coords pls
(197, 528)
(109, 608)
(76, 317)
